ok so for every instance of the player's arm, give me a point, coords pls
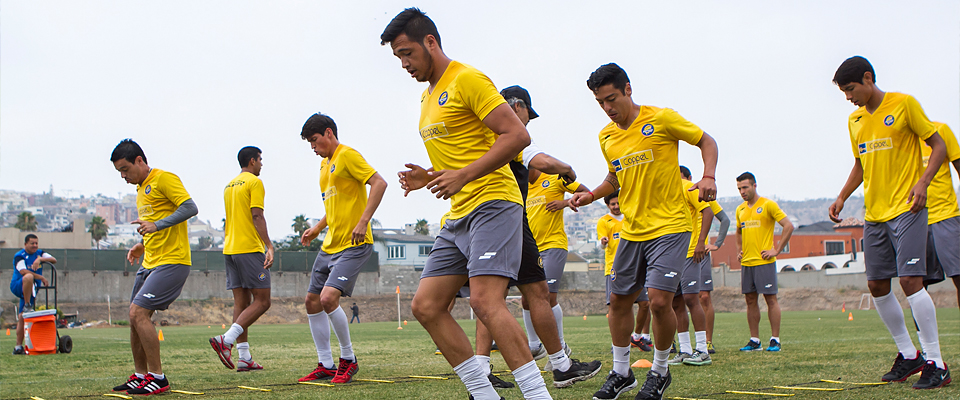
(25, 270)
(700, 251)
(724, 227)
(512, 138)
(739, 242)
(549, 165)
(46, 257)
(918, 195)
(313, 231)
(784, 239)
(609, 185)
(184, 211)
(260, 223)
(602, 234)
(708, 184)
(377, 187)
(558, 205)
(853, 182)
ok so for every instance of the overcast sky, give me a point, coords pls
(194, 81)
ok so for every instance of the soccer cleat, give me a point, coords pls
(321, 373)
(438, 352)
(615, 385)
(223, 350)
(903, 368)
(933, 377)
(710, 349)
(578, 371)
(245, 365)
(499, 383)
(640, 344)
(654, 386)
(752, 345)
(673, 347)
(345, 371)
(150, 385)
(539, 353)
(774, 345)
(698, 358)
(678, 359)
(549, 365)
(131, 383)
(18, 350)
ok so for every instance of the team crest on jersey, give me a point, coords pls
(262, 276)
(647, 130)
(333, 167)
(147, 189)
(443, 99)
(759, 210)
(888, 120)
(545, 184)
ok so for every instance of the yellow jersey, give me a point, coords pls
(941, 198)
(343, 179)
(241, 194)
(695, 206)
(608, 227)
(546, 225)
(644, 158)
(160, 194)
(755, 225)
(452, 129)
(887, 143)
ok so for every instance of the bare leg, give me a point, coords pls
(753, 314)
(696, 312)
(538, 299)
(486, 298)
(956, 283)
(146, 333)
(680, 309)
(643, 318)
(706, 302)
(621, 318)
(246, 313)
(664, 319)
(773, 313)
(430, 305)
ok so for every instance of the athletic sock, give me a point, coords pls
(755, 339)
(157, 376)
(660, 361)
(684, 339)
(531, 382)
(636, 336)
(892, 316)
(701, 341)
(231, 334)
(621, 360)
(320, 329)
(475, 380)
(560, 361)
(244, 351)
(925, 313)
(645, 336)
(558, 315)
(139, 375)
(341, 327)
(532, 339)
(777, 338)
(484, 364)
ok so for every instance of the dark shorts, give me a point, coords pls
(488, 241)
(689, 278)
(706, 274)
(640, 297)
(943, 250)
(157, 287)
(531, 265)
(17, 289)
(655, 263)
(339, 270)
(553, 262)
(897, 247)
(246, 271)
(759, 279)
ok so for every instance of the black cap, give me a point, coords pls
(522, 94)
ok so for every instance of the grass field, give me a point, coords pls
(816, 345)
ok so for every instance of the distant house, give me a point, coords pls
(810, 245)
(397, 247)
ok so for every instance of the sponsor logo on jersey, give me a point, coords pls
(875, 145)
(443, 99)
(616, 236)
(647, 130)
(632, 160)
(536, 201)
(234, 183)
(433, 131)
(749, 224)
(332, 191)
(888, 120)
(145, 210)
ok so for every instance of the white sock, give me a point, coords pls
(684, 339)
(531, 382)
(532, 339)
(777, 338)
(621, 360)
(139, 375)
(475, 380)
(558, 315)
(701, 341)
(645, 336)
(560, 361)
(158, 376)
(755, 339)
(231, 334)
(892, 316)
(484, 364)
(244, 350)
(341, 327)
(925, 313)
(660, 361)
(320, 329)
(636, 336)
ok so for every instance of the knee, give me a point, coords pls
(425, 310)
(660, 304)
(264, 302)
(705, 298)
(28, 279)
(878, 288)
(751, 300)
(329, 302)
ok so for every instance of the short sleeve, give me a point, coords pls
(478, 92)
(953, 149)
(854, 146)
(529, 153)
(715, 207)
(739, 209)
(571, 187)
(356, 166)
(773, 210)
(256, 194)
(917, 119)
(172, 188)
(21, 265)
(46, 255)
(679, 128)
(693, 198)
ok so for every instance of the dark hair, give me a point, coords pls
(608, 74)
(127, 150)
(747, 176)
(413, 23)
(852, 70)
(28, 237)
(246, 154)
(318, 123)
(611, 196)
(685, 172)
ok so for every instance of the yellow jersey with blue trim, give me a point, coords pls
(941, 198)
(695, 206)
(887, 143)
(756, 225)
(644, 158)
(452, 129)
(546, 225)
(241, 194)
(608, 227)
(160, 194)
(343, 179)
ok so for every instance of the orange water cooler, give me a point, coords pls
(40, 332)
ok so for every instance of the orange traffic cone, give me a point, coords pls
(843, 308)
(850, 318)
(404, 322)
(160, 335)
(641, 363)
(8, 331)
(223, 326)
(584, 317)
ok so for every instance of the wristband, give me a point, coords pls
(709, 176)
(593, 197)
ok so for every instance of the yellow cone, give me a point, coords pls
(850, 318)
(160, 335)
(641, 363)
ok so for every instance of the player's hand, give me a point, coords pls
(604, 241)
(35, 265)
(712, 247)
(835, 209)
(446, 182)
(309, 234)
(580, 199)
(699, 252)
(918, 198)
(268, 257)
(708, 189)
(359, 233)
(134, 254)
(412, 179)
(44, 280)
(145, 227)
(740, 256)
(768, 254)
(556, 205)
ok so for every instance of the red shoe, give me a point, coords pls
(321, 373)
(245, 365)
(345, 371)
(151, 385)
(223, 350)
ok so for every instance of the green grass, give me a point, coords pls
(816, 345)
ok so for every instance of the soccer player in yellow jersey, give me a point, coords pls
(885, 135)
(756, 218)
(640, 145)
(943, 239)
(470, 134)
(163, 208)
(248, 253)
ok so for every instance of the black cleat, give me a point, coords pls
(132, 383)
(642, 344)
(903, 368)
(578, 371)
(499, 383)
(654, 387)
(615, 385)
(933, 377)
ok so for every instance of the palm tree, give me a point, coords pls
(26, 221)
(421, 228)
(300, 224)
(98, 229)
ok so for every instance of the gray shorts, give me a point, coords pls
(655, 263)
(943, 250)
(640, 297)
(246, 271)
(553, 262)
(487, 241)
(897, 247)
(759, 279)
(689, 278)
(157, 287)
(706, 274)
(339, 270)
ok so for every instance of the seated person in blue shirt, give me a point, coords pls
(28, 274)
